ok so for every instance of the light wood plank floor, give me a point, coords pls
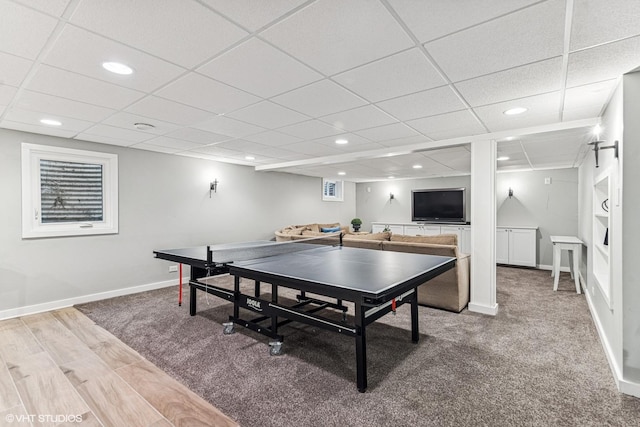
(60, 368)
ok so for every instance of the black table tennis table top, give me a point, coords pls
(369, 272)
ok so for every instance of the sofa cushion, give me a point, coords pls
(421, 248)
(439, 239)
(363, 244)
(385, 235)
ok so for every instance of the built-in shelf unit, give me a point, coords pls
(602, 234)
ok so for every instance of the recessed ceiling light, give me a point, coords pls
(417, 166)
(143, 126)
(249, 158)
(50, 122)
(118, 68)
(502, 158)
(514, 111)
(342, 173)
(509, 138)
(390, 177)
(341, 141)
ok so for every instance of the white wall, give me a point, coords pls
(631, 227)
(373, 204)
(553, 208)
(164, 203)
(618, 323)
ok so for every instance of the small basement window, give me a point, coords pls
(68, 192)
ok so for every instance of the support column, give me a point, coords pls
(483, 227)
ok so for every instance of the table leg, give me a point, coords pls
(557, 252)
(361, 348)
(576, 267)
(570, 253)
(415, 329)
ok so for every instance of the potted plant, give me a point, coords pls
(356, 222)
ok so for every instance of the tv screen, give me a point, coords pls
(438, 205)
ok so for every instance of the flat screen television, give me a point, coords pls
(439, 205)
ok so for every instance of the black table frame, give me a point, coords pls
(368, 307)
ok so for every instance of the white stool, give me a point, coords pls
(574, 246)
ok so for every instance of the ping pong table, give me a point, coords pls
(375, 281)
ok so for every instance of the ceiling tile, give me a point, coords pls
(168, 111)
(33, 118)
(542, 109)
(127, 121)
(51, 7)
(327, 97)
(312, 148)
(252, 14)
(102, 139)
(228, 126)
(604, 62)
(65, 84)
(399, 142)
(596, 22)
(519, 82)
(43, 130)
(156, 148)
(356, 143)
(118, 133)
(429, 20)
(185, 33)
(198, 136)
(83, 52)
(6, 94)
(268, 115)
(14, 18)
(387, 132)
(358, 118)
(588, 100)
(448, 125)
(311, 129)
(13, 69)
(34, 101)
(207, 94)
(272, 138)
(259, 68)
(335, 35)
(423, 104)
(394, 76)
(534, 34)
(174, 144)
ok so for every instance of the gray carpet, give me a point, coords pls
(539, 362)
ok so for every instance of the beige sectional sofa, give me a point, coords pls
(448, 291)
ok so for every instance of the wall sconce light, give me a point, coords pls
(213, 187)
(391, 197)
(510, 192)
(596, 148)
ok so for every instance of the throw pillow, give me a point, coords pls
(330, 229)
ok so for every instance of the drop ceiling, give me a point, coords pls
(273, 84)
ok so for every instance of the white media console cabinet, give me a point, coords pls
(514, 245)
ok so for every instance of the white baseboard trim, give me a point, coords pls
(483, 309)
(58, 304)
(624, 386)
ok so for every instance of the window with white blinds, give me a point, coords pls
(332, 190)
(67, 192)
(70, 192)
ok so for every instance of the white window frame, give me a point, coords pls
(32, 226)
(339, 190)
